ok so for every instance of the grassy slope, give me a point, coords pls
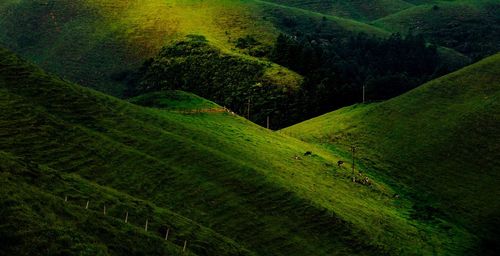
(441, 140)
(88, 41)
(37, 221)
(234, 177)
(353, 9)
(452, 23)
(174, 100)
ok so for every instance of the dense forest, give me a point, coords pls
(335, 70)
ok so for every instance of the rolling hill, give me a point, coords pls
(251, 191)
(44, 213)
(89, 41)
(470, 27)
(439, 143)
(353, 9)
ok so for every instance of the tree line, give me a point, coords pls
(336, 70)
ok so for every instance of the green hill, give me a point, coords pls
(43, 213)
(439, 143)
(470, 27)
(257, 189)
(91, 40)
(353, 9)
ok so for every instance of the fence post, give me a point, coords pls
(146, 227)
(126, 217)
(166, 235)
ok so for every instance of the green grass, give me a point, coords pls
(37, 220)
(88, 41)
(174, 100)
(353, 9)
(227, 174)
(468, 26)
(439, 143)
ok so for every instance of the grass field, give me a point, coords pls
(439, 143)
(43, 213)
(250, 185)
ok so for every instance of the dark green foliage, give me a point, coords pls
(246, 42)
(229, 80)
(336, 70)
(252, 47)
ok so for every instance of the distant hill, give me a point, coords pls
(355, 9)
(470, 27)
(251, 190)
(439, 142)
(89, 41)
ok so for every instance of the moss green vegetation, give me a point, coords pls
(439, 143)
(470, 27)
(88, 41)
(248, 184)
(354, 9)
(229, 79)
(174, 100)
(36, 219)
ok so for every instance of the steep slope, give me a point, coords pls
(251, 185)
(470, 27)
(91, 40)
(44, 213)
(440, 142)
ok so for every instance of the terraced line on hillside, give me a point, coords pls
(56, 186)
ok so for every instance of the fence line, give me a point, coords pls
(126, 221)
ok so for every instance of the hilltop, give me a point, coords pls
(261, 191)
(438, 143)
(91, 41)
(469, 27)
(353, 9)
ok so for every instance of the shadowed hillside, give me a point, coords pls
(355, 9)
(470, 27)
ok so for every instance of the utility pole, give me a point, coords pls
(248, 109)
(364, 93)
(353, 149)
